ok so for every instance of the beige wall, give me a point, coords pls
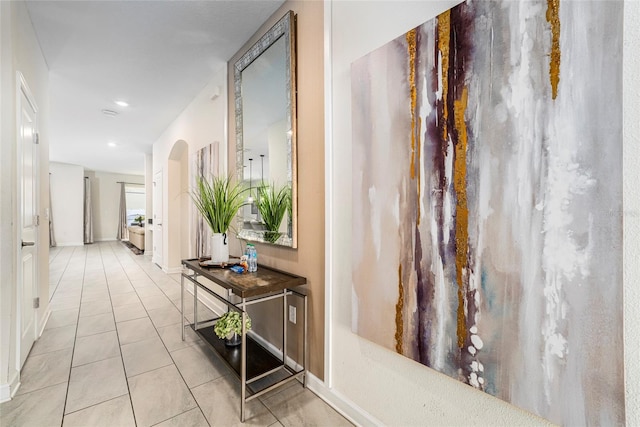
(308, 259)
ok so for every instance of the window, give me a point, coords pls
(136, 200)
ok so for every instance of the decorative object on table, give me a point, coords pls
(218, 201)
(229, 327)
(252, 258)
(244, 262)
(207, 262)
(273, 203)
(487, 202)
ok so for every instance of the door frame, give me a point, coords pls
(23, 88)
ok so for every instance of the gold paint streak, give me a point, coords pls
(553, 17)
(462, 210)
(399, 307)
(411, 48)
(419, 176)
(444, 34)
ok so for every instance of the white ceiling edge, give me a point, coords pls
(157, 55)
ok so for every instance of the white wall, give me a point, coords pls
(631, 203)
(201, 123)
(105, 194)
(19, 51)
(388, 388)
(67, 199)
(67, 203)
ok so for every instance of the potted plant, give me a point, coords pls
(139, 219)
(273, 204)
(229, 327)
(218, 201)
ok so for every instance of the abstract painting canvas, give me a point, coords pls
(205, 164)
(487, 202)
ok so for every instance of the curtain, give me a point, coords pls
(123, 232)
(52, 235)
(88, 214)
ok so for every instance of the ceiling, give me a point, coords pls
(155, 55)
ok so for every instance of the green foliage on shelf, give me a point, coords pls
(230, 322)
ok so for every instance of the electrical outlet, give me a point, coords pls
(292, 314)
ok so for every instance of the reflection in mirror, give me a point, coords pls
(266, 136)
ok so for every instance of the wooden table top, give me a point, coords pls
(263, 281)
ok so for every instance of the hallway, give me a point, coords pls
(112, 355)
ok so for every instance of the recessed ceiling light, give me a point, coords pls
(109, 113)
(112, 144)
(122, 103)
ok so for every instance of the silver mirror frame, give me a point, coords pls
(285, 27)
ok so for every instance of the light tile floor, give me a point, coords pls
(112, 355)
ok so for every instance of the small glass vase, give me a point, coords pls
(233, 339)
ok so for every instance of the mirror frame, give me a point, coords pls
(285, 27)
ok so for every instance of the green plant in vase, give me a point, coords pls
(218, 201)
(229, 327)
(272, 204)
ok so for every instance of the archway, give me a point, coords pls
(177, 221)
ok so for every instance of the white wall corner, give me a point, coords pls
(8, 390)
(341, 403)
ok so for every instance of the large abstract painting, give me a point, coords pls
(205, 164)
(487, 216)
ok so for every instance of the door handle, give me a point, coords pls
(27, 243)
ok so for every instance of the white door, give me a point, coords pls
(157, 218)
(28, 220)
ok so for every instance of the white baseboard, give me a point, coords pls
(172, 270)
(106, 239)
(336, 400)
(333, 398)
(70, 244)
(8, 390)
(340, 403)
(45, 319)
(5, 393)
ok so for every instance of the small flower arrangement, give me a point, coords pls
(229, 323)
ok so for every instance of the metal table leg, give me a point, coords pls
(195, 307)
(182, 304)
(243, 363)
(305, 350)
(284, 327)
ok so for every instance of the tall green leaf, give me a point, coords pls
(218, 201)
(272, 205)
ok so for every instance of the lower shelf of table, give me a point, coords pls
(259, 359)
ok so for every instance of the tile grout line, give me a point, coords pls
(215, 355)
(75, 335)
(124, 371)
(62, 275)
(165, 347)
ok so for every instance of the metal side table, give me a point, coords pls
(250, 360)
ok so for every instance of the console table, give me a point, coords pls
(250, 360)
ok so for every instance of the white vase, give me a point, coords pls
(219, 248)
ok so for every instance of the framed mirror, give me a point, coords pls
(265, 108)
